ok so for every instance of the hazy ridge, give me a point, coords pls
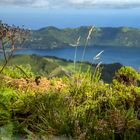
(52, 37)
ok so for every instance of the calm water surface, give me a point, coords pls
(123, 55)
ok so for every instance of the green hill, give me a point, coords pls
(52, 37)
(56, 67)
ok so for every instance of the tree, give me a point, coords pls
(9, 37)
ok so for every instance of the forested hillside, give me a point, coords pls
(52, 37)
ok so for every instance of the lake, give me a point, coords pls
(123, 55)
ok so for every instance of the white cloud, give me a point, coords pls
(72, 3)
(106, 3)
(40, 3)
(30, 3)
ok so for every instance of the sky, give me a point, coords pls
(70, 13)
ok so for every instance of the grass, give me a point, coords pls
(43, 66)
(77, 107)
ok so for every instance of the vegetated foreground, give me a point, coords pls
(80, 106)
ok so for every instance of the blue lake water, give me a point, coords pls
(123, 55)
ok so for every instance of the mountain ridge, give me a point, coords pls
(52, 37)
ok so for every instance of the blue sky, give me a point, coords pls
(70, 13)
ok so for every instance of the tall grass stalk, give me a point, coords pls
(86, 44)
(97, 71)
(95, 58)
(75, 55)
(87, 40)
(3, 48)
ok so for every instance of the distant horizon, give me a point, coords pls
(88, 26)
(36, 14)
(37, 21)
(37, 27)
(59, 27)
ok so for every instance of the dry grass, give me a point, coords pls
(41, 84)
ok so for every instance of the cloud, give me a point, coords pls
(106, 3)
(25, 3)
(72, 3)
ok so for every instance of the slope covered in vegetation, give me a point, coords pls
(78, 107)
(56, 67)
(52, 37)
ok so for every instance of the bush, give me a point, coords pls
(83, 107)
(18, 71)
(127, 75)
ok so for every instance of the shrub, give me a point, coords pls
(83, 107)
(18, 71)
(127, 75)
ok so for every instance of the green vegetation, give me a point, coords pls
(78, 107)
(52, 37)
(56, 67)
(46, 97)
